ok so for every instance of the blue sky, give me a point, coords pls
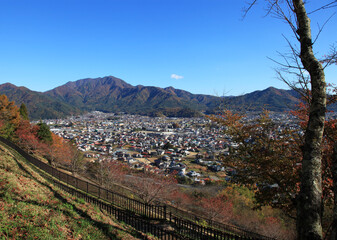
(202, 46)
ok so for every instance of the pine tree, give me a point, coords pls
(44, 133)
(24, 112)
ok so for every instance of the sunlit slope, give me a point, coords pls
(32, 208)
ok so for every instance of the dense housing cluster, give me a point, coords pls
(192, 148)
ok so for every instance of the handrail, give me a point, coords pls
(146, 210)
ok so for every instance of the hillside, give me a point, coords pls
(272, 99)
(110, 94)
(32, 208)
(114, 95)
(38, 104)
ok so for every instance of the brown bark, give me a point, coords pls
(309, 207)
(333, 235)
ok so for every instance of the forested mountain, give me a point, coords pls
(271, 98)
(39, 105)
(111, 94)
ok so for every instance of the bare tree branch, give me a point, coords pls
(246, 10)
(331, 58)
(320, 29)
(326, 6)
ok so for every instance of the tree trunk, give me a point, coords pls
(333, 235)
(309, 207)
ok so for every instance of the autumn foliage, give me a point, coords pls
(108, 172)
(267, 158)
(27, 135)
(9, 117)
(218, 207)
(38, 139)
(329, 139)
(151, 187)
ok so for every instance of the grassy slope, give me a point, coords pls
(32, 208)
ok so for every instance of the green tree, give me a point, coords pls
(44, 133)
(24, 112)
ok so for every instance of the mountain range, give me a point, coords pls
(110, 94)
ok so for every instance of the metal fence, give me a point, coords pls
(139, 223)
(139, 214)
(174, 212)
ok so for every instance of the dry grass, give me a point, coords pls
(32, 208)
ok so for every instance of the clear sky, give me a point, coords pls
(202, 46)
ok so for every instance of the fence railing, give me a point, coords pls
(178, 213)
(143, 225)
(183, 228)
(195, 231)
(146, 210)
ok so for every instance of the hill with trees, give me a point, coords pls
(227, 206)
(110, 94)
(33, 208)
(39, 105)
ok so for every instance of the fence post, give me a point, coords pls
(87, 187)
(165, 212)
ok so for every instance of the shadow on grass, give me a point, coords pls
(105, 228)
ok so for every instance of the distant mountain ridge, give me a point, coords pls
(40, 106)
(272, 99)
(112, 94)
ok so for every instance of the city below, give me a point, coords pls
(192, 148)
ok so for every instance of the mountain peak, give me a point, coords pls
(170, 88)
(111, 94)
(95, 82)
(113, 81)
(271, 89)
(8, 85)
